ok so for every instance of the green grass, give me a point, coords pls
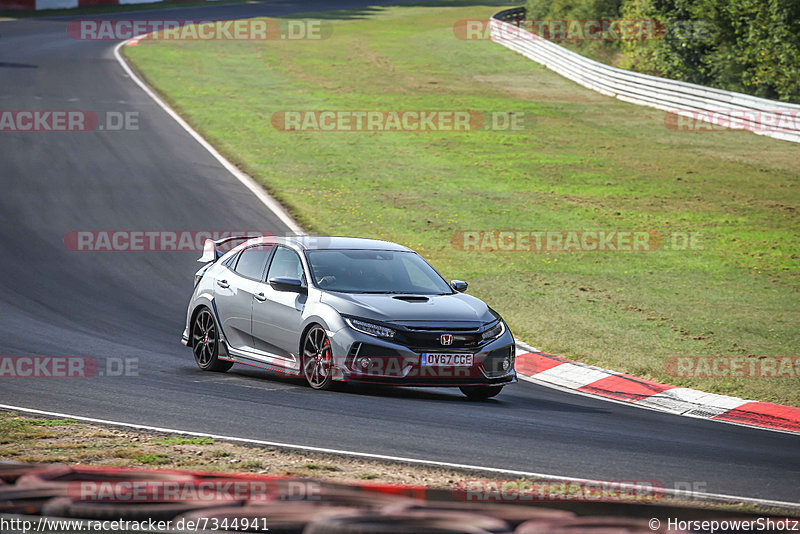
(152, 459)
(320, 467)
(251, 465)
(16, 429)
(52, 422)
(583, 161)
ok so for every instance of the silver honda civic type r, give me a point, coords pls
(342, 309)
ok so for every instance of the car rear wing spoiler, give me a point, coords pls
(211, 251)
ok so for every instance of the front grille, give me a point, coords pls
(433, 339)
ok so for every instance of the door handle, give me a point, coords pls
(260, 297)
(223, 284)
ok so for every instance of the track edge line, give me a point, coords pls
(692, 496)
(257, 189)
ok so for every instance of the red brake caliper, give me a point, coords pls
(328, 354)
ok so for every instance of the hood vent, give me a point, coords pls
(411, 298)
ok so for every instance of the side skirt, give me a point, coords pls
(245, 360)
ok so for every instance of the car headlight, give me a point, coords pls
(370, 328)
(494, 332)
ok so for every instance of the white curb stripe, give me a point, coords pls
(569, 375)
(693, 402)
(56, 4)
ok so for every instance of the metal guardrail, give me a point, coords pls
(516, 14)
(780, 120)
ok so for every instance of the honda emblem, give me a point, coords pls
(447, 339)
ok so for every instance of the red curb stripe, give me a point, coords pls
(89, 3)
(764, 414)
(632, 389)
(17, 4)
(625, 387)
(532, 363)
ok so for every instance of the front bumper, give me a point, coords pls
(363, 358)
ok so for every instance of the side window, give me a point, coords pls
(229, 263)
(285, 264)
(251, 261)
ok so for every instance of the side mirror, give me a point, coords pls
(291, 285)
(459, 285)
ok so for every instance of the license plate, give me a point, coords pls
(445, 360)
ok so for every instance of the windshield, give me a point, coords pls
(374, 271)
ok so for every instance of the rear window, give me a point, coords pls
(252, 261)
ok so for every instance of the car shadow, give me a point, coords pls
(514, 398)
(401, 392)
(7, 65)
(510, 400)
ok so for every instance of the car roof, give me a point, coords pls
(316, 242)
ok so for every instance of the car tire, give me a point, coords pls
(317, 358)
(479, 393)
(205, 343)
